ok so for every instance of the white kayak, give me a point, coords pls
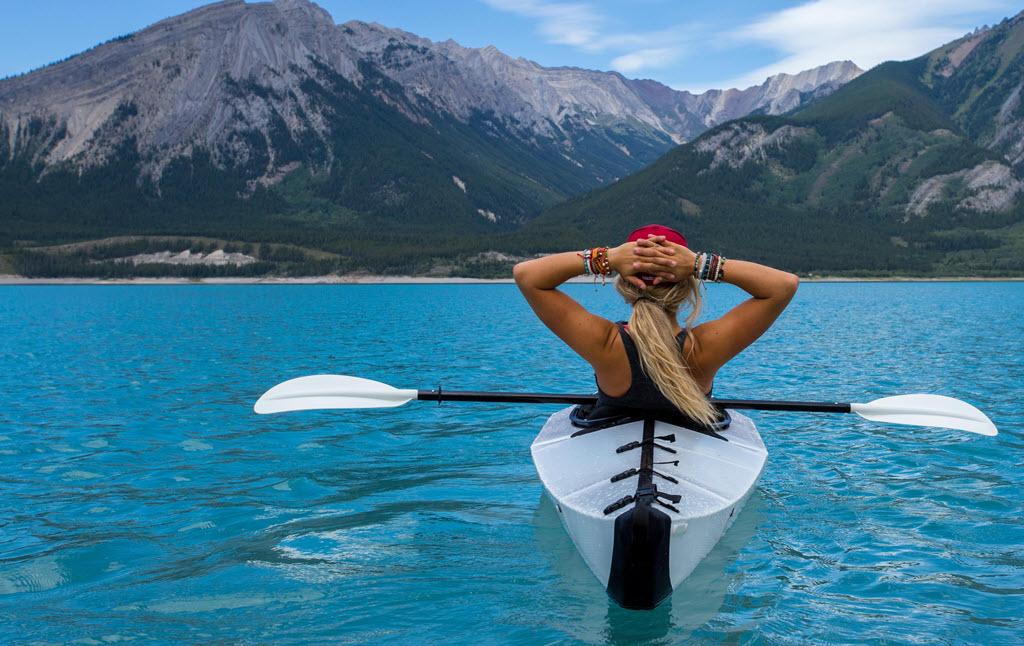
(646, 500)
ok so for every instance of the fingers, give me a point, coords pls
(663, 242)
(636, 282)
(652, 241)
(648, 252)
(653, 265)
(653, 245)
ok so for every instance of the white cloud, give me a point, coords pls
(802, 37)
(574, 24)
(652, 58)
(580, 25)
(867, 32)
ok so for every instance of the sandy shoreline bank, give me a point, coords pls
(9, 279)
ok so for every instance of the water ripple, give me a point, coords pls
(144, 501)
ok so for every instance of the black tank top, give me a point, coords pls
(643, 393)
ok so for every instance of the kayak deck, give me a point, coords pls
(712, 472)
(693, 485)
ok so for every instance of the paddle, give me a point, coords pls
(320, 392)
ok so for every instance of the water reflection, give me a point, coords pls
(597, 619)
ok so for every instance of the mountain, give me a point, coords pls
(268, 121)
(914, 166)
(689, 115)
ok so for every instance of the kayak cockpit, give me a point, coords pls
(644, 499)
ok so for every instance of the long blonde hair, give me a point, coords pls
(650, 326)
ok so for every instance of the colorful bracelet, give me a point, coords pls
(596, 263)
(601, 263)
(586, 261)
(709, 266)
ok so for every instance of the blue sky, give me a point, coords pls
(688, 44)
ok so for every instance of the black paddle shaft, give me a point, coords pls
(440, 395)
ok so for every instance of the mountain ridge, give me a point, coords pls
(391, 153)
(902, 168)
(283, 34)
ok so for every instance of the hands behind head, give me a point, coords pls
(655, 256)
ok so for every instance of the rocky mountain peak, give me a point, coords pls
(246, 81)
(808, 80)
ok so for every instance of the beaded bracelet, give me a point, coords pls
(586, 261)
(601, 264)
(596, 263)
(709, 266)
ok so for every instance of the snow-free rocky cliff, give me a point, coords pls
(256, 87)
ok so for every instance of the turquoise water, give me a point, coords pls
(142, 499)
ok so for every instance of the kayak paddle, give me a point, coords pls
(320, 392)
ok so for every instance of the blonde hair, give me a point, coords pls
(650, 326)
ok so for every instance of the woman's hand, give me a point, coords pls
(652, 254)
(653, 257)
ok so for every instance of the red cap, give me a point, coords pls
(657, 230)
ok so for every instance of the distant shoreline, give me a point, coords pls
(10, 279)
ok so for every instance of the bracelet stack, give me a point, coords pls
(596, 263)
(709, 266)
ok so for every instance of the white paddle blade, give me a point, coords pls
(320, 392)
(927, 410)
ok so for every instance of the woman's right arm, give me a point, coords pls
(720, 340)
(770, 289)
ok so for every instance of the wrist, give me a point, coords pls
(708, 266)
(616, 256)
(597, 261)
(687, 262)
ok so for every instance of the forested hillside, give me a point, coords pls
(914, 167)
(251, 139)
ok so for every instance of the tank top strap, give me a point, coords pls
(633, 354)
(629, 345)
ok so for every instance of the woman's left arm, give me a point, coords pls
(589, 335)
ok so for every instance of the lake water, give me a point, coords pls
(142, 499)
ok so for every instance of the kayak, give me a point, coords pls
(643, 498)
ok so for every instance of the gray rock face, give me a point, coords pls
(175, 85)
(1008, 137)
(989, 186)
(199, 79)
(218, 258)
(738, 144)
(692, 114)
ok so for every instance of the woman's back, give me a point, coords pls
(641, 392)
(649, 365)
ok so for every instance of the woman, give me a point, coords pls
(652, 362)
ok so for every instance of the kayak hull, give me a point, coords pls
(644, 517)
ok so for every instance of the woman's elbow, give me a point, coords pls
(790, 283)
(520, 271)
